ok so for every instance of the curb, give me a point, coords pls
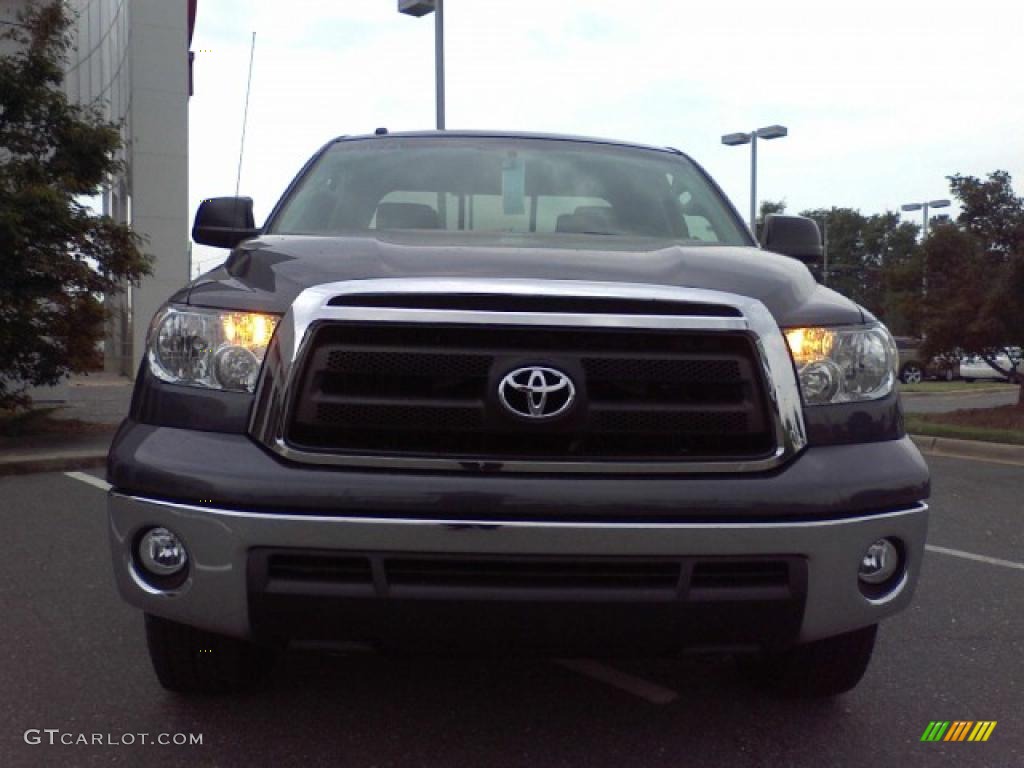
(958, 392)
(999, 453)
(52, 462)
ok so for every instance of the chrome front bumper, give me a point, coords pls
(215, 595)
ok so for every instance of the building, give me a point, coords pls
(131, 57)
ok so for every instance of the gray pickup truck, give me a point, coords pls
(490, 392)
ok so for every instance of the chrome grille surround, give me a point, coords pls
(283, 364)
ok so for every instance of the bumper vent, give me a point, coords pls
(387, 575)
(327, 569)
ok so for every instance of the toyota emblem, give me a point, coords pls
(537, 393)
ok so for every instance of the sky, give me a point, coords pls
(883, 99)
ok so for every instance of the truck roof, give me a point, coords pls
(504, 134)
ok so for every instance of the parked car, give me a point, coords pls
(976, 367)
(914, 368)
(495, 392)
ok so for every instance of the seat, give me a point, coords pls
(589, 218)
(406, 216)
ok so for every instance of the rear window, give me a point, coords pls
(499, 185)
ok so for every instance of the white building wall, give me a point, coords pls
(99, 72)
(159, 146)
(131, 58)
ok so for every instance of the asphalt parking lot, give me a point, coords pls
(74, 660)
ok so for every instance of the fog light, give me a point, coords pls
(161, 552)
(880, 562)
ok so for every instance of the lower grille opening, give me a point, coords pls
(519, 604)
(291, 569)
(332, 569)
(532, 574)
(739, 574)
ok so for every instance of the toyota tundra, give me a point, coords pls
(485, 392)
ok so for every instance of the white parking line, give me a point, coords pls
(95, 482)
(637, 686)
(972, 556)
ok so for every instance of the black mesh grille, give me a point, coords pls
(702, 371)
(407, 389)
(660, 421)
(386, 362)
(398, 417)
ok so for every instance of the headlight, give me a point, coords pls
(843, 365)
(209, 348)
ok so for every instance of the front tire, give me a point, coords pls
(823, 668)
(191, 660)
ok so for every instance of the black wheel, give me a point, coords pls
(190, 660)
(911, 373)
(823, 668)
(969, 380)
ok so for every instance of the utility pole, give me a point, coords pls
(923, 207)
(737, 139)
(422, 8)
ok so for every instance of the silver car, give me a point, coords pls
(973, 368)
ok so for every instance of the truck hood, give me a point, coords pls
(266, 274)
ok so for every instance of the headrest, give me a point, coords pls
(406, 216)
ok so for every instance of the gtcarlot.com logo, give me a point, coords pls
(55, 736)
(958, 730)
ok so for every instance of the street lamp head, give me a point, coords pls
(416, 7)
(736, 139)
(911, 207)
(772, 132)
(939, 204)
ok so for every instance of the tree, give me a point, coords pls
(891, 244)
(767, 208)
(957, 287)
(58, 257)
(991, 211)
(975, 272)
(862, 251)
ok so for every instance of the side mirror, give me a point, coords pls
(224, 222)
(794, 236)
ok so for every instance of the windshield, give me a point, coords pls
(502, 185)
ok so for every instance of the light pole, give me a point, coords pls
(737, 139)
(924, 233)
(925, 207)
(422, 8)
